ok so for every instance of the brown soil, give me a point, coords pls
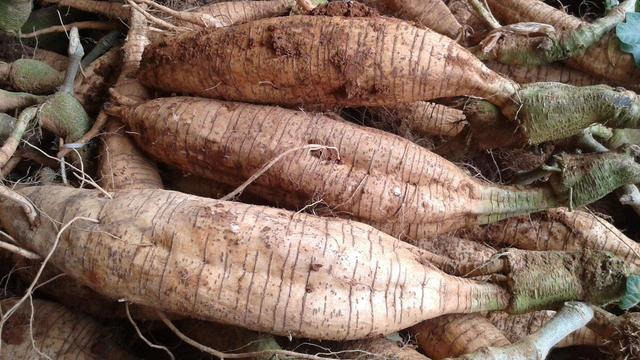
(348, 9)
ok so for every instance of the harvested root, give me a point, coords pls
(319, 279)
(122, 165)
(433, 14)
(53, 59)
(589, 177)
(18, 100)
(553, 111)
(560, 229)
(31, 76)
(423, 118)
(537, 44)
(456, 334)
(571, 317)
(49, 330)
(348, 72)
(65, 290)
(458, 249)
(106, 8)
(373, 176)
(13, 14)
(228, 13)
(90, 88)
(523, 74)
(598, 60)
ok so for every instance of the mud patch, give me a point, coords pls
(348, 9)
(286, 43)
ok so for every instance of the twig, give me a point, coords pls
(27, 207)
(93, 25)
(20, 251)
(62, 162)
(268, 165)
(485, 14)
(135, 326)
(10, 146)
(29, 291)
(222, 355)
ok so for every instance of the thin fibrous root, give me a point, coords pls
(153, 19)
(92, 25)
(31, 288)
(20, 251)
(27, 207)
(222, 355)
(267, 166)
(11, 144)
(199, 19)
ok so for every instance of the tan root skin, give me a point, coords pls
(523, 74)
(423, 118)
(91, 85)
(238, 12)
(261, 268)
(560, 229)
(433, 14)
(456, 334)
(390, 182)
(58, 333)
(321, 60)
(122, 165)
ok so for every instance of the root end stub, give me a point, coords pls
(553, 111)
(589, 177)
(545, 280)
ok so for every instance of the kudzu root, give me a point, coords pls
(31, 76)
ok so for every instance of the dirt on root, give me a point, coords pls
(343, 8)
(285, 43)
